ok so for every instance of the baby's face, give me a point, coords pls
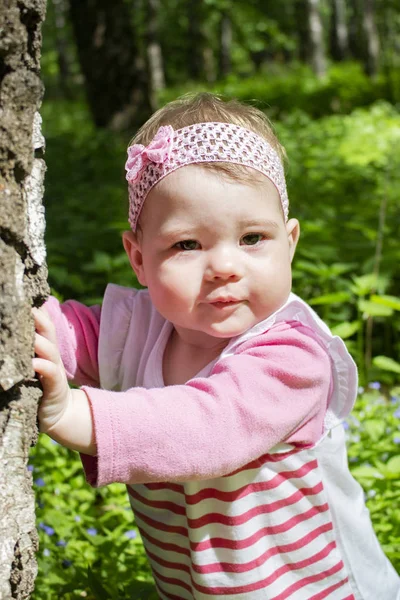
(215, 254)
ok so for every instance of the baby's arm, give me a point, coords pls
(274, 389)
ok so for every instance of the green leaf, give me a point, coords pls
(346, 329)
(390, 301)
(386, 364)
(337, 298)
(373, 309)
(375, 429)
(96, 586)
(364, 284)
(393, 465)
(366, 472)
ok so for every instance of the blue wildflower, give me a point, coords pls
(66, 563)
(46, 552)
(394, 399)
(131, 534)
(397, 413)
(30, 468)
(91, 531)
(61, 543)
(39, 482)
(374, 385)
(396, 440)
(46, 528)
(345, 425)
(77, 518)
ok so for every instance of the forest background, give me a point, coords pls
(328, 74)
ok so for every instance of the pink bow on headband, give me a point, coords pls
(158, 151)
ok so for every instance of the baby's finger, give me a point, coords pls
(43, 324)
(49, 376)
(45, 348)
(44, 368)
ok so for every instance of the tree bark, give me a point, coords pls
(116, 83)
(371, 37)
(316, 37)
(197, 42)
(302, 29)
(355, 30)
(60, 11)
(154, 53)
(339, 31)
(23, 276)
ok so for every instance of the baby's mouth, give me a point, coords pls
(224, 303)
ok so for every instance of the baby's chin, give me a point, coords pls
(222, 331)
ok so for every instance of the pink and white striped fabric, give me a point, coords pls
(265, 531)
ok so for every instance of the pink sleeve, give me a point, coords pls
(77, 328)
(274, 389)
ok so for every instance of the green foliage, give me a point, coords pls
(373, 449)
(86, 203)
(281, 90)
(88, 540)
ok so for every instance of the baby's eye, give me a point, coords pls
(251, 239)
(187, 245)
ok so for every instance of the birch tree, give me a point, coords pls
(154, 52)
(371, 38)
(316, 38)
(23, 278)
(339, 30)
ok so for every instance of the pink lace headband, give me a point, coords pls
(203, 142)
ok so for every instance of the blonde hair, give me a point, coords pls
(203, 108)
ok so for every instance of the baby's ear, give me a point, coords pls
(133, 249)
(293, 233)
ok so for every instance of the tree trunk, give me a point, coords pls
(116, 83)
(355, 30)
(154, 53)
(339, 32)
(196, 39)
(23, 278)
(302, 29)
(225, 45)
(390, 59)
(371, 38)
(60, 10)
(316, 37)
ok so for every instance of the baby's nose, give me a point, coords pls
(223, 264)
